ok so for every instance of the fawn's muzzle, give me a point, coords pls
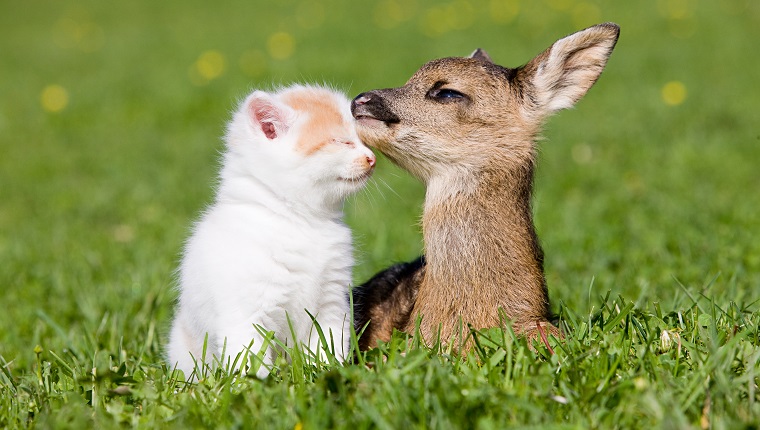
(371, 105)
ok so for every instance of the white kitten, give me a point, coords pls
(273, 243)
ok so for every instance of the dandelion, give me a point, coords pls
(582, 153)
(82, 34)
(281, 45)
(388, 14)
(54, 98)
(585, 14)
(560, 4)
(209, 66)
(123, 233)
(675, 9)
(434, 22)
(673, 93)
(504, 12)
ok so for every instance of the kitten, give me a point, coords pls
(273, 244)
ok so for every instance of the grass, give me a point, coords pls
(646, 205)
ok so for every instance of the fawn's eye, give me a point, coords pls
(448, 94)
(445, 94)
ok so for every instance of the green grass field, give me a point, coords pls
(646, 204)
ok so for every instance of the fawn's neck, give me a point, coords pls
(481, 247)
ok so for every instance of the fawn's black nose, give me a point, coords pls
(372, 105)
(361, 99)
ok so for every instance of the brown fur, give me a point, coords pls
(475, 151)
(388, 302)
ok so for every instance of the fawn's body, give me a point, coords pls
(467, 128)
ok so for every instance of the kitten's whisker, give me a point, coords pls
(379, 190)
(389, 187)
(367, 193)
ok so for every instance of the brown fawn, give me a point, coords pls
(467, 128)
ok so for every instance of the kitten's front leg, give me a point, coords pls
(245, 349)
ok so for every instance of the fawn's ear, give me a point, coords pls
(268, 115)
(481, 55)
(563, 74)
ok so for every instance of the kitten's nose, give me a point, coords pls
(371, 160)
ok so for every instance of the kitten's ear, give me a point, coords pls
(268, 115)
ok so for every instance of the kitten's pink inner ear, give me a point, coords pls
(268, 129)
(267, 116)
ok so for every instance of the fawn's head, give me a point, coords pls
(456, 116)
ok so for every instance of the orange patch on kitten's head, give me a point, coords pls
(324, 119)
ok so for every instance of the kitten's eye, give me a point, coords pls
(446, 94)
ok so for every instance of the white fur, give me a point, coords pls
(273, 244)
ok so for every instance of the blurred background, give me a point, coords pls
(111, 117)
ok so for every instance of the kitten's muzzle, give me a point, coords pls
(361, 177)
(371, 105)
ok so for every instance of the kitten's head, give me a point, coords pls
(301, 143)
